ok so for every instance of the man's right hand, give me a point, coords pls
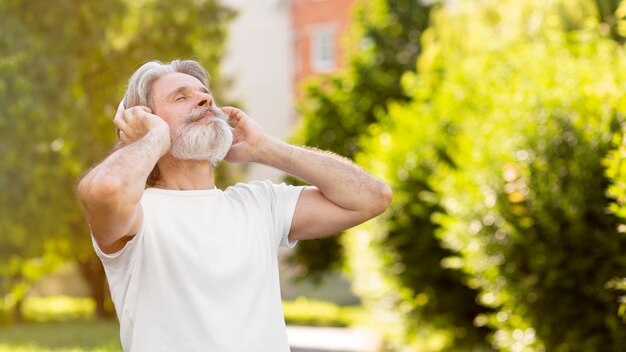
(134, 123)
(111, 192)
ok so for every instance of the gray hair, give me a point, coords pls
(140, 83)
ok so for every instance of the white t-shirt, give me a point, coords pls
(202, 273)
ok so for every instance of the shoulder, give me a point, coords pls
(252, 188)
(251, 185)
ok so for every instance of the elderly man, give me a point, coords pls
(192, 267)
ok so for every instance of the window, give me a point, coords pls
(322, 48)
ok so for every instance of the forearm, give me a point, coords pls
(338, 179)
(122, 175)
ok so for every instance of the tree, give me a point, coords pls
(63, 67)
(337, 109)
(39, 71)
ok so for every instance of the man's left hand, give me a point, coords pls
(248, 135)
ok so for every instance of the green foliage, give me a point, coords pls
(337, 109)
(615, 163)
(513, 110)
(429, 293)
(17, 274)
(63, 67)
(40, 161)
(383, 43)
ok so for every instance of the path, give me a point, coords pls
(325, 339)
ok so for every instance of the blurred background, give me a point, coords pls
(498, 124)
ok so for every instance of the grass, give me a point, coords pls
(65, 324)
(303, 311)
(66, 336)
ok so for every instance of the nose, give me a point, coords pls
(204, 100)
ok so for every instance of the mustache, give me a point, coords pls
(205, 111)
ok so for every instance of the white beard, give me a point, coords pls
(204, 135)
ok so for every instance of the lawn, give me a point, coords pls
(64, 324)
(68, 336)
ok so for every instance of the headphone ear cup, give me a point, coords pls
(119, 107)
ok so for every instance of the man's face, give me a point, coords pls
(199, 130)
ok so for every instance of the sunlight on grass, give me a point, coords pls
(58, 308)
(60, 323)
(303, 311)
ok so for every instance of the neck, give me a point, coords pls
(185, 174)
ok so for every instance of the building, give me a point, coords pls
(259, 60)
(318, 26)
(273, 45)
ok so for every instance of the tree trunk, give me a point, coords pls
(93, 273)
(18, 315)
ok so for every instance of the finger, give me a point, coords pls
(134, 110)
(233, 114)
(119, 122)
(123, 137)
(133, 113)
(146, 109)
(138, 112)
(236, 136)
(127, 115)
(120, 125)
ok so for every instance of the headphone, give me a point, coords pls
(121, 106)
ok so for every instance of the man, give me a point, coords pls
(192, 267)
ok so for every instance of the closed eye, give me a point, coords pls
(180, 98)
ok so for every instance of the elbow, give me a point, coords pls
(384, 196)
(99, 190)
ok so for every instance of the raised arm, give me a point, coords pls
(110, 192)
(342, 195)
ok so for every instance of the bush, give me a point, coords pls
(512, 112)
(616, 172)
